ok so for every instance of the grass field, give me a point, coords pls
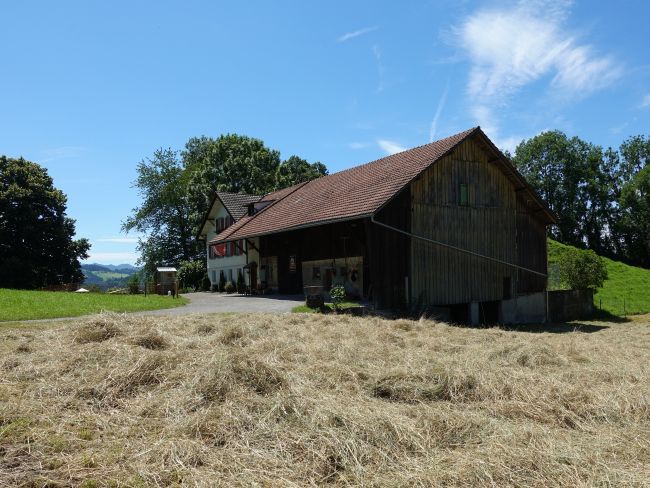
(27, 305)
(107, 275)
(307, 399)
(626, 291)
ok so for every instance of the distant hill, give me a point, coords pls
(107, 276)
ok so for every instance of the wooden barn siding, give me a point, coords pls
(389, 253)
(531, 247)
(487, 225)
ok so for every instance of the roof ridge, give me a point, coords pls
(466, 133)
(237, 194)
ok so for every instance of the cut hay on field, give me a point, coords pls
(299, 400)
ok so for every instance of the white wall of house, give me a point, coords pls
(230, 265)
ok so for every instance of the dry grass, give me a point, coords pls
(295, 400)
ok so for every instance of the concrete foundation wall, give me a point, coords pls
(525, 309)
(565, 305)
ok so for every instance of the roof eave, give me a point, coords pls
(297, 227)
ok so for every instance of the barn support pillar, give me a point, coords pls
(473, 313)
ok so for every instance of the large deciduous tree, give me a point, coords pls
(297, 170)
(231, 163)
(578, 180)
(165, 212)
(634, 223)
(37, 245)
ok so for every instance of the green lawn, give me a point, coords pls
(626, 290)
(28, 305)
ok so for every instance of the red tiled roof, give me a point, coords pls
(236, 203)
(355, 192)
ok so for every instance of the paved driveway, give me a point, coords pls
(204, 302)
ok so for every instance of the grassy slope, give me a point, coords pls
(624, 283)
(313, 400)
(27, 305)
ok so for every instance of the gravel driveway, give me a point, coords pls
(204, 302)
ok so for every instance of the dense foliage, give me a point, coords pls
(37, 245)
(601, 196)
(581, 269)
(177, 188)
(191, 273)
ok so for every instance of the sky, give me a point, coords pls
(89, 89)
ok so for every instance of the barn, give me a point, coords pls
(448, 226)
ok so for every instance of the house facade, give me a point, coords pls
(227, 258)
(449, 225)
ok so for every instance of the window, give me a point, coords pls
(463, 194)
(315, 273)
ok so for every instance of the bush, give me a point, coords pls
(337, 294)
(581, 269)
(191, 273)
(214, 288)
(222, 281)
(205, 283)
(229, 287)
(241, 283)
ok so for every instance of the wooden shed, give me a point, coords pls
(166, 281)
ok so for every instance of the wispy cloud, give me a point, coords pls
(358, 145)
(119, 240)
(441, 105)
(390, 147)
(351, 35)
(646, 101)
(510, 48)
(376, 51)
(63, 152)
(112, 257)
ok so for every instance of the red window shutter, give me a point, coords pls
(220, 250)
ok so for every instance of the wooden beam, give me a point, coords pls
(252, 244)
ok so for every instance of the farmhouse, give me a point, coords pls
(449, 225)
(227, 258)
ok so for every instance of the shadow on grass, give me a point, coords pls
(604, 316)
(558, 328)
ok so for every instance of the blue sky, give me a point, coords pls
(88, 89)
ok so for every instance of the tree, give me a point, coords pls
(231, 163)
(581, 269)
(165, 212)
(578, 181)
(297, 170)
(37, 245)
(634, 223)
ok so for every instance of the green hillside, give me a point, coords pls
(626, 290)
